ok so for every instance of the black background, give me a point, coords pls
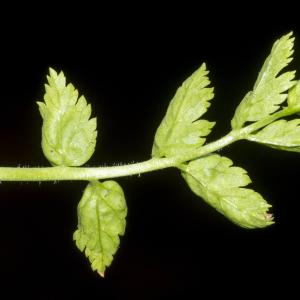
(128, 65)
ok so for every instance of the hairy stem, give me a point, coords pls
(81, 173)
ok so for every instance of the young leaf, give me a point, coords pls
(215, 180)
(180, 130)
(101, 219)
(282, 134)
(269, 89)
(68, 135)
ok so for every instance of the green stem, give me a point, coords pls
(80, 173)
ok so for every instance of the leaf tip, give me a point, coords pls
(52, 72)
(101, 273)
(289, 38)
(270, 218)
(212, 124)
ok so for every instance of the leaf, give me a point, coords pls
(221, 185)
(180, 130)
(101, 219)
(281, 134)
(68, 135)
(269, 89)
(294, 96)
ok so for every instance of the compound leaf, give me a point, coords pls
(222, 186)
(68, 133)
(269, 89)
(101, 219)
(180, 130)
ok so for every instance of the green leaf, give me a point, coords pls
(68, 133)
(215, 180)
(101, 219)
(281, 134)
(180, 130)
(294, 96)
(269, 89)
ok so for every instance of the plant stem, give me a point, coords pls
(81, 173)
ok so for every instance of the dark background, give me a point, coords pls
(129, 65)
